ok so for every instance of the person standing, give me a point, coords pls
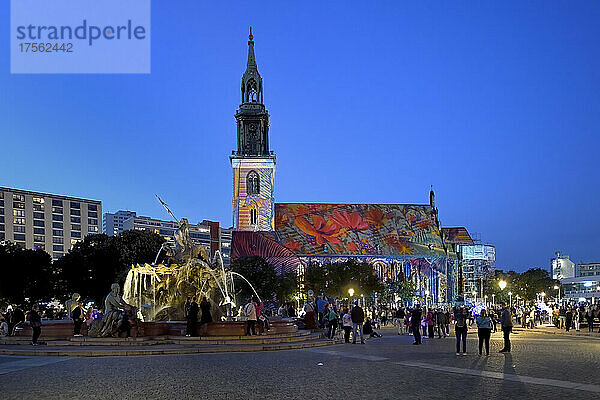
(484, 331)
(346, 325)
(250, 313)
(589, 317)
(77, 315)
(429, 322)
(460, 328)
(206, 318)
(192, 318)
(332, 322)
(507, 324)
(568, 320)
(358, 317)
(36, 324)
(399, 320)
(415, 319)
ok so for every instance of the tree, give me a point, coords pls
(26, 274)
(259, 273)
(335, 279)
(287, 286)
(93, 264)
(526, 285)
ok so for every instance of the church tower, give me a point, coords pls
(253, 163)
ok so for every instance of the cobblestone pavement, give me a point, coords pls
(540, 366)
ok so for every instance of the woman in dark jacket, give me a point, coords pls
(206, 317)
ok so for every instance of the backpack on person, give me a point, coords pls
(461, 321)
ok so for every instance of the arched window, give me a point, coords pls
(253, 216)
(251, 92)
(252, 184)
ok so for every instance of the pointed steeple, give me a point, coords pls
(251, 59)
(252, 90)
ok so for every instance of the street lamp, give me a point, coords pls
(556, 287)
(510, 297)
(543, 294)
(502, 284)
(426, 297)
(351, 292)
(485, 300)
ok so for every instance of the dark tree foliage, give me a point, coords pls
(336, 278)
(25, 274)
(259, 273)
(93, 264)
(526, 285)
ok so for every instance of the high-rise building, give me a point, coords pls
(562, 267)
(588, 269)
(253, 163)
(478, 263)
(45, 221)
(112, 224)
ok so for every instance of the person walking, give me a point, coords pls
(399, 320)
(206, 318)
(484, 331)
(332, 322)
(250, 313)
(358, 317)
(192, 319)
(346, 325)
(568, 320)
(507, 324)
(460, 329)
(36, 324)
(415, 319)
(589, 317)
(429, 322)
(77, 315)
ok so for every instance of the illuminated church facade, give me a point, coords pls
(400, 241)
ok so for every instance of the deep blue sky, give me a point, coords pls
(495, 104)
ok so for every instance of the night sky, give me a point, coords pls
(495, 104)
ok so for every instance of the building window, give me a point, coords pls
(76, 234)
(57, 232)
(75, 227)
(19, 221)
(1, 203)
(92, 207)
(75, 212)
(1, 211)
(2, 227)
(39, 246)
(57, 225)
(40, 239)
(58, 240)
(57, 203)
(19, 236)
(19, 213)
(253, 216)
(1, 235)
(92, 229)
(252, 183)
(1, 219)
(38, 215)
(38, 207)
(58, 247)
(75, 205)
(92, 214)
(39, 200)
(57, 210)
(57, 218)
(56, 256)
(39, 231)
(19, 228)
(19, 205)
(92, 221)
(74, 242)
(76, 220)
(19, 197)
(38, 223)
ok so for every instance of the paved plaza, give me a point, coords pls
(541, 366)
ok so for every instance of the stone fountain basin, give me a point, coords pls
(62, 329)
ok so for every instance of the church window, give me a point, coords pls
(253, 216)
(251, 92)
(252, 183)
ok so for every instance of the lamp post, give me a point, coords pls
(474, 293)
(556, 287)
(350, 294)
(510, 297)
(426, 297)
(494, 299)
(543, 295)
(485, 300)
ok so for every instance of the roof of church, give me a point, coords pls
(457, 235)
(322, 229)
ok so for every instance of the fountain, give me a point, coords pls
(159, 291)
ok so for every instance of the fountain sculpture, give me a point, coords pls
(159, 291)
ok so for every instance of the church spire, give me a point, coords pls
(252, 90)
(251, 59)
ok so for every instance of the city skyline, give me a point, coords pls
(369, 110)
